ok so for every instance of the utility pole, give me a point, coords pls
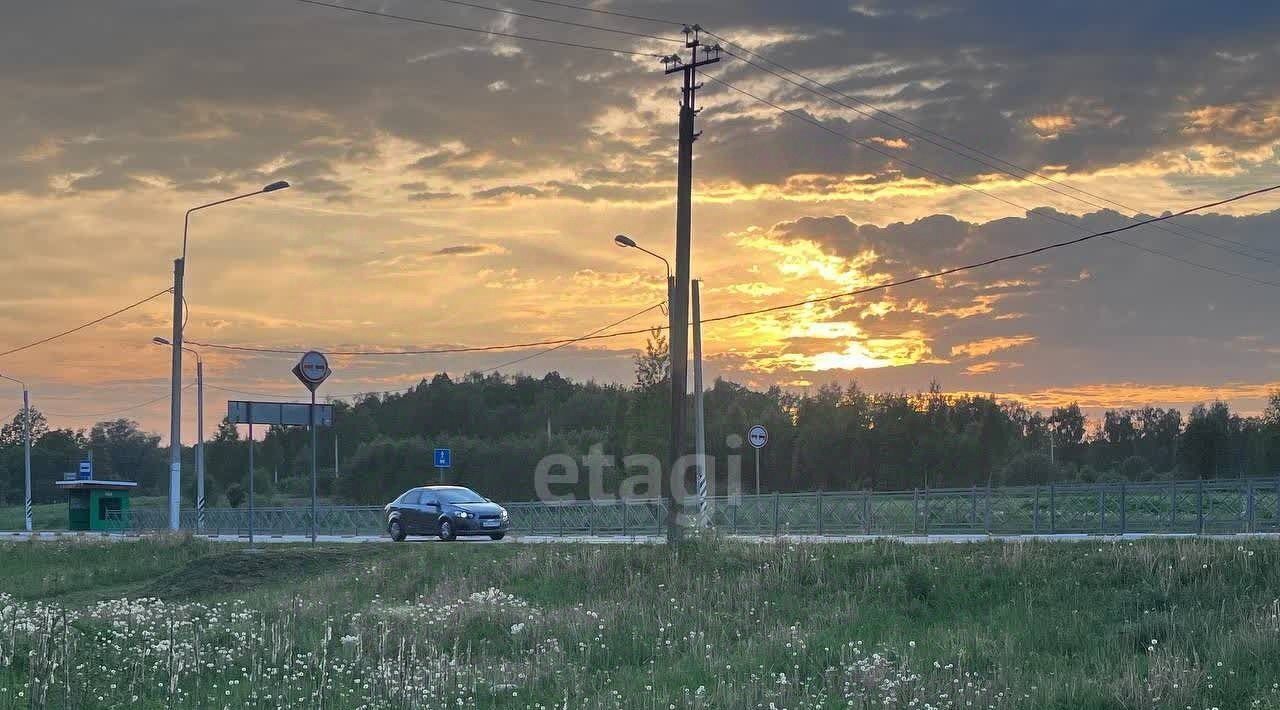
(699, 421)
(175, 394)
(679, 305)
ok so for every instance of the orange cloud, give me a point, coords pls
(1236, 119)
(984, 368)
(1050, 125)
(986, 346)
(1133, 394)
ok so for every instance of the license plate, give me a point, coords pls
(490, 523)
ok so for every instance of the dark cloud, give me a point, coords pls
(431, 196)
(505, 191)
(468, 250)
(193, 93)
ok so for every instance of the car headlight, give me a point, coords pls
(505, 514)
(463, 514)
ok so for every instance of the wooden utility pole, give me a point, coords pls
(680, 294)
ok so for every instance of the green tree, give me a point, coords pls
(12, 432)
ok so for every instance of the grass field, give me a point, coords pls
(178, 624)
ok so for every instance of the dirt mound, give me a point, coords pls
(240, 571)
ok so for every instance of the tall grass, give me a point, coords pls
(1151, 624)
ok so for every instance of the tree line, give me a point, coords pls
(836, 437)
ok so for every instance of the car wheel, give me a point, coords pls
(497, 536)
(446, 530)
(396, 530)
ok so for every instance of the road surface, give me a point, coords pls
(651, 539)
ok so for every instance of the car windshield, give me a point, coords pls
(460, 495)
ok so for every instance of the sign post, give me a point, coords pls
(757, 436)
(250, 412)
(443, 459)
(273, 414)
(312, 370)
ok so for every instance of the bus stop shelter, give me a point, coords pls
(97, 505)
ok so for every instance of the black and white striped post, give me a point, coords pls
(699, 421)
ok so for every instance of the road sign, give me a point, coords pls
(312, 370)
(278, 413)
(757, 436)
(86, 471)
(444, 458)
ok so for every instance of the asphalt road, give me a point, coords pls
(653, 539)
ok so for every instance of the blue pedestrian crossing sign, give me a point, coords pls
(444, 458)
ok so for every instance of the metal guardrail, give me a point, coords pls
(1186, 507)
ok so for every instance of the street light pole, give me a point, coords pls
(674, 497)
(26, 449)
(199, 430)
(175, 389)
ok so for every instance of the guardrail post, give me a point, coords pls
(775, 514)
(1035, 512)
(1275, 521)
(819, 511)
(560, 517)
(1200, 506)
(734, 512)
(1249, 505)
(867, 511)
(973, 505)
(1173, 506)
(1053, 510)
(1102, 510)
(1124, 509)
(924, 504)
(986, 515)
(624, 516)
(915, 511)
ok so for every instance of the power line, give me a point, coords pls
(569, 23)
(130, 408)
(614, 13)
(553, 348)
(796, 304)
(464, 28)
(947, 178)
(250, 394)
(82, 326)
(1171, 228)
(996, 260)
(525, 358)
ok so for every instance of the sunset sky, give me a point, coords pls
(462, 189)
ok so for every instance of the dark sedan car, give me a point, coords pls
(447, 511)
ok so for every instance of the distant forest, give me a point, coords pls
(832, 438)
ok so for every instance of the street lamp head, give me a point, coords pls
(624, 241)
(160, 341)
(278, 185)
